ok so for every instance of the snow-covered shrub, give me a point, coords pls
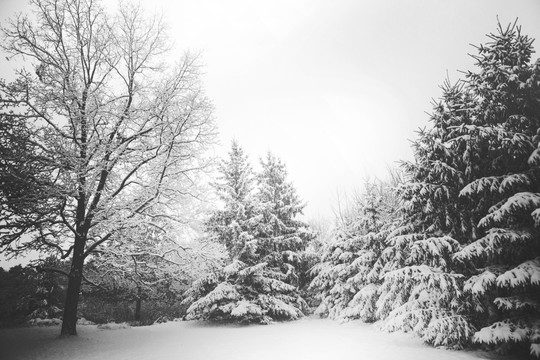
(83, 321)
(44, 322)
(113, 326)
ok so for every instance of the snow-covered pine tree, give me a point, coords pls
(421, 291)
(505, 282)
(235, 187)
(346, 280)
(281, 236)
(262, 282)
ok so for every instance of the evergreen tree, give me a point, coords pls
(470, 209)
(421, 291)
(423, 283)
(281, 236)
(229, 225)
(346, 278)
(261, 284)
(504, 285)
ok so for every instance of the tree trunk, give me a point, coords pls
(138, 305)
(69, 322)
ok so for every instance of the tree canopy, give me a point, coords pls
(114, 135)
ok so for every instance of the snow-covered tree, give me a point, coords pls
(230, 224)
(467, 253)
(116, 129)
(262, 282)
(505, 283)
(347, 279)
(281, 236)
(421, 290)
(153, 263)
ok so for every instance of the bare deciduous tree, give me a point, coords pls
(118, 131)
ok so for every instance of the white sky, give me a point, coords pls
(334, 88)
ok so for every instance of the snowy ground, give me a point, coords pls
(310, 339)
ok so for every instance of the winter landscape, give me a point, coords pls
(304, 339)
(280, 191)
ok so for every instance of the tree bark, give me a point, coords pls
(69, 322)
(138, 305)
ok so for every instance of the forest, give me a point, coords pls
(106, 171)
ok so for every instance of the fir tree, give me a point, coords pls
(421, 291)
(234, 188)
(504, 285)
(470, 209)
(281, 236)
(347, 279)
(262, 282)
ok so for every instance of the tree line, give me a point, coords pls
(451, 253)
(104, 149)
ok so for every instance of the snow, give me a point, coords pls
(534, 159)
(245, 307)
(489, 183)
(523, 201)
(222, 291)
(523, 274)
(44, 322)
(502, 331)
(233, 268)
(497, 241)
(479, 284)
(303, 339)
(535, 350)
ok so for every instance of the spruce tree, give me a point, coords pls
(347, 279)
(467, 255)
(261, 284)
(281, 236)
(229, 225)
(504, 282)
(421, 290)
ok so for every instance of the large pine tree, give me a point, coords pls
(261, 283)
(421, 289)
(504, 261)
(235, 189)
(467, 253)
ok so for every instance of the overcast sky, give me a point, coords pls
(335, 88)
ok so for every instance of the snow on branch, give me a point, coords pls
(222, 293)
(434, 250)
(448, 330)
(501, 332)
(519, 203)
(516, 303)
(489, 184)
(525, 274)
(363, 304)
(234, 268)
(534, 159)
(483, 282)
(245, 309)
(496, 242)
(519, 181)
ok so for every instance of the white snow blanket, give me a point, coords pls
(311, 339)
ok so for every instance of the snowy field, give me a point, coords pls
(310, 339)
